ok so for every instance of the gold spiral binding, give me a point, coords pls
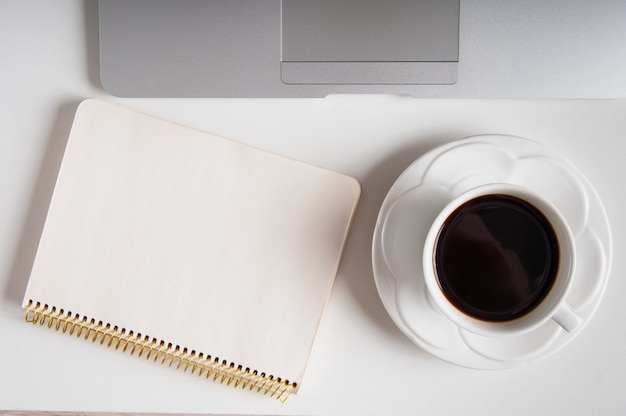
(221, 370)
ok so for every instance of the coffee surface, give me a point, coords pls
(496, 257)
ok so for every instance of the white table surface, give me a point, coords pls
(361, 364)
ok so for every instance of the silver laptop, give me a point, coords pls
(313, 48)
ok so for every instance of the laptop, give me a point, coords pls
(315, 48)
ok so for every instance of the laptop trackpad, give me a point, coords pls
(369, 42)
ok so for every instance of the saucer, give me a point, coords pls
(422, 191)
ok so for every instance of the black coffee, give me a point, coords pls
(496, 257)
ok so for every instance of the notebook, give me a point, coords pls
(189, 249)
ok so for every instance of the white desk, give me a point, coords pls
(362, 364)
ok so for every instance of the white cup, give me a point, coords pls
(552, 306)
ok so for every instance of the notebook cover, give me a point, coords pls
(192, 239)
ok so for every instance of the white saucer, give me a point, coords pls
(433, 180)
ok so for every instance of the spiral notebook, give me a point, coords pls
(190, 250)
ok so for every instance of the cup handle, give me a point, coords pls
(567, 318)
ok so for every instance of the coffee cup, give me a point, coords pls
(498, 261)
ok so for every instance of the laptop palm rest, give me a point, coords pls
(274, 48)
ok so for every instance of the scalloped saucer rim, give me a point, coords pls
(405, 299)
